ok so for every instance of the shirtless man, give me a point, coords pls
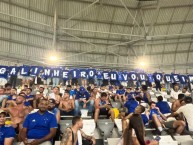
(178, 103)
(70, 134)
(55, 95)
(67, 105)
(18, 111)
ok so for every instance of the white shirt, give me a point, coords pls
(175, 94)
(187, 111)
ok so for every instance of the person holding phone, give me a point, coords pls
(103, 107)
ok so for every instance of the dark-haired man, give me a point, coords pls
(178, 103)
(103, 107)
(163, 105)
(39, 127)
(18, 112)
(146, 95)
(70, 135)
(159, 120)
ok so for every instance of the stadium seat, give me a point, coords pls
(84, 112)
(65, 124)
(89, 127)
(184, 140)
(113, 141)
(166, 140)
(106, 127)
(118, 123)
(116, 104)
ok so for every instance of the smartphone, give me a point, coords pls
(157, 138)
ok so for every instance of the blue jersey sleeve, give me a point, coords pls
(53, 122)
(10, 132)
(87, 95)
(26, 121)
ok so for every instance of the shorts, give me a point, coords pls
(116, 111)
(169, 124)
(64, 113)
(104, 112)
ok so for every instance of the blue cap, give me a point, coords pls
(82, 90)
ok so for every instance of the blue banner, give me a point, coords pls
(167, 78)
(47, 72)
(35, 70)
(83, 73)
(13, 70)
(157, 77)
(3, 71)
(183, 79)
(142, 77)
(175, 78)
(65, 74)
(25, 70)
(106, 75)
(91, 73)
(133, 76)
(113, 76)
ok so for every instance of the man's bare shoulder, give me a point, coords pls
(66, 136)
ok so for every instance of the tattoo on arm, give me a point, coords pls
(66, 135)
(86, 136)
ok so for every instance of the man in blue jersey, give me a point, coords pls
(120, 93)
(163, 105)
(158, 120)
(39, 127)
(82, 100)
(7, 133)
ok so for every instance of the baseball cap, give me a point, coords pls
(2, 111)
(82, 90)
(52, 101)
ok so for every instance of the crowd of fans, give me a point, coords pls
(35, 112)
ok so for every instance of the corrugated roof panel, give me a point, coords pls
(168, 58)
(179, 14)
(160, 30)
(41, 4)
(190, 57)
(181, 58)
(22, 37)
(120, 15)
(174, 2)
(190, 15)
(183, 46)
(106, 13)
(5, 33)
(5, 9)
(188, 28)
(157, 49)
(23, 2)
(131, 3)
(164, 15)
(19, 49)
(148, 15)
(103, 28)
(175, 29)
(170, 47)
(4, 46)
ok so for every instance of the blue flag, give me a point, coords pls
(65, 74)
(113, 76)
(133, 76)
(91, 73)
(25, 70)
(83, 73)
(3, 72)
(13, 70)
(35, 70)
